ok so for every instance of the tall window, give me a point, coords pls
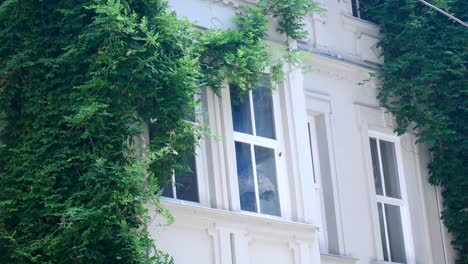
(184, 186)
(389, 199)
(256, 150)
(323, 183)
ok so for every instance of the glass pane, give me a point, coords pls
(376, 166)
(382, 232)
(240, 107)
(263, 110)
(395, 233)
(167, 190)
(390, 169)
(267, 184)
(187, 185)
(245, 177)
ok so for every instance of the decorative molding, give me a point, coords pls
(321, 16)
(252, 224)
(294, 247)
(213, 232)
(336, 66)
(360, 26)
(374, 118)
(317, 102)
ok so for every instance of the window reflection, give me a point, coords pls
(266, 177)
(186, 184)
(376, 166)
(263, 110)
(245, 177)
(241, 114)
(390, 169)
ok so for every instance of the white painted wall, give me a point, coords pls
(341, 52)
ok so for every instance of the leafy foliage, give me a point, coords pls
(290, 15)
(79, 81)
(424, 83)
(239, 56)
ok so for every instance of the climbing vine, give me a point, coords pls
(424, 84)
(79, 82)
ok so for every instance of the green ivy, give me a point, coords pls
(79, 82)
(424, 84)
(240, 56)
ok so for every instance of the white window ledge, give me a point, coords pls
(384, 262)
(275, 224)
(337, 259)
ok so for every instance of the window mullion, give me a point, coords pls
(382, 178)
(254, 170)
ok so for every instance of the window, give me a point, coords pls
(323, 183)
(185, 186)
(361, 8)
(390, 203)
(256, 148)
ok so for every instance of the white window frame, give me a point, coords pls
(401, 203)
(230, 137)
(317, 105)
(200, 165)
(321, 223)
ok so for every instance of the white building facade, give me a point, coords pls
(310, 174)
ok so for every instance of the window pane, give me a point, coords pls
(167, 190)
(240, 107)
(390, 169)
(267, 184)
(245, 177)
(382, 232)
(376, 166)
(395, 233)
(263, 110)
(187, 185)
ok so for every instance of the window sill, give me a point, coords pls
(384, 262)
(266, 216)
(179, 201)
(252, 220)
(337, 259)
